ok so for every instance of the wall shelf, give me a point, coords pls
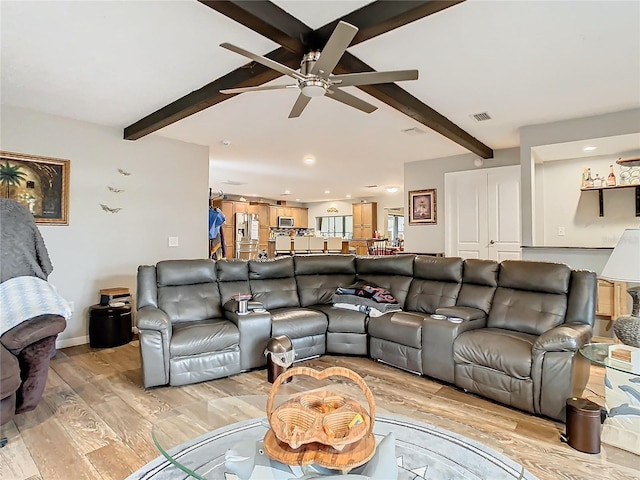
(601, 195)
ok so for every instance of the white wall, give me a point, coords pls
(165, 195)
(430, 174)
(618, 123)
(564, 205)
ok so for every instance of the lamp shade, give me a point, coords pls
(624, 263)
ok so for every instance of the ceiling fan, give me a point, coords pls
(315, 78)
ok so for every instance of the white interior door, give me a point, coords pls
(466, 207)
(504, 226)
(483, 213)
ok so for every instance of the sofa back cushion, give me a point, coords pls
(318, 276)
(393, 272)
(273, 283)
(233, 278)
(531, 296)
(479, 283)
(436, 283)
(187, 290)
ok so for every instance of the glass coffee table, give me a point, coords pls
(193, 441)
(621, 428)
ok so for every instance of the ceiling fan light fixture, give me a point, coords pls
(313, 88)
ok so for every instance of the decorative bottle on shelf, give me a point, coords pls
(597, 182)
(589, 182)
(583, 182)
(611, 179)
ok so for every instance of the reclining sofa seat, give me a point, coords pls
(541, 314)
(317, 279)
(396, 338)
(183, 336)
(273, 283)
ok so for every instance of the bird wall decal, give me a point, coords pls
(109, 209)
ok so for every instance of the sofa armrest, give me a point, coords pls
(255, 332)
(465, 313)
(558, 371)
(151, 318)
(32, 331)
(566, 337)
(155, 333)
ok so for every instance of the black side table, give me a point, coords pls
(109, 326)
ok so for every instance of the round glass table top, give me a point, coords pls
(598, 353)
(194, 439)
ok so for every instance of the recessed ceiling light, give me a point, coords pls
(226, 143)
(392, 189)
(589, 149)
(309, 160)
(287, 192)
(297, 199)
(327, 191)
(348, 195)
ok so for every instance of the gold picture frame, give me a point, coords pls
(423, 207)
(39, 183)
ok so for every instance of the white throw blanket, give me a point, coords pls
(22, 298)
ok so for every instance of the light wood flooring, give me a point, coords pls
(95, 418)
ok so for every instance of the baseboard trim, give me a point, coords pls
(71, 342)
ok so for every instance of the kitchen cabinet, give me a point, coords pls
(273, 216)
(613, 299)
(365, 220)
(301, 217)
(360, 246)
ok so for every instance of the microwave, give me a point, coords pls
(285, 222)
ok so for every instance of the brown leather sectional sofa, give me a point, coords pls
(522, 322)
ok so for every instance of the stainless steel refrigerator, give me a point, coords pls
(247, 239)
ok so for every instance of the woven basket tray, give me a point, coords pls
(323, 416)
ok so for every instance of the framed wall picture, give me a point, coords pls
(422, 207)
(40, 183)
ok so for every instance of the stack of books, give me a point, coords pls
(115, 297)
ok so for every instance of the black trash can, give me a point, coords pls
(109, 326)
(280, 355)
(583, 425)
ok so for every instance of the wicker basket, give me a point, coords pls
(323, 416)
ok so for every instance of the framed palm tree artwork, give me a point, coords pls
(40, 183)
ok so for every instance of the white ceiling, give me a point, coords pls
(524, 62)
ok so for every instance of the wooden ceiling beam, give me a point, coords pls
(248, 75)
(383, 16)
(267, 19)
(398, 98)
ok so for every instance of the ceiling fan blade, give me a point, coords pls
(350, 100)
(371, 78)
(334, 49)
(278, 67)
(299, 106)
(258, 88)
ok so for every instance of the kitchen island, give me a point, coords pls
(271, 247)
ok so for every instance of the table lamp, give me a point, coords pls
(624, 266)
